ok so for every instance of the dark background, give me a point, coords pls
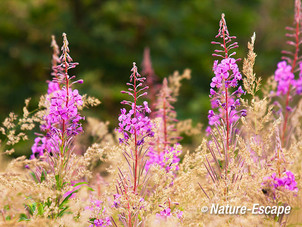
(107, 36)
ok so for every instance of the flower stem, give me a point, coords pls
(135, 136)
(227, 118)
(165, 124)
(294, 62)
(286, 117)
(226, 95)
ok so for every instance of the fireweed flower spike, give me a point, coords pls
(62, 120)
(61, 123)
(223, 119)
(162, 148)
(288, 86)
(135, 127)
(151, 79)
(226, 77)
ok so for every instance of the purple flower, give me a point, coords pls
(102, 222)
(288, 181)
(135, 122)
(162, 158)
(165, 213)
(226, 76)
(179, 214)
(284, 77)
(226, 73)
(41, 145)
(298, 82)
(52, 87)
(62, 118)
(64, 110)
(116, 201)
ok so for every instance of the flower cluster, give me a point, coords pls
(167, 160)
(102, 220)
(284, 77)
(287, 182)
(41, 145)
(226, 76)
(135, 121)
(166, 213)
(63, 109)
(116, 201)
(134, 126)
(226, 72)
(62, 119)
(52, 87)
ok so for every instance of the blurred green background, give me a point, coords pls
(107, 36)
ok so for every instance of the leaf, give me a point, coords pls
(48, 203)
(8, 218)
(66, 199)
(43, 175)
(90, 189)
(32, 208)
(23, 217)
(34, 176)
(80, 183)
(59, 182)
(40, 209)
(62, 212)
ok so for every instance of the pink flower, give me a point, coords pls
(162, 160)
(288, 181)
(226, 76)
(284, 77)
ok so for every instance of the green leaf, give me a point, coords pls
(48, 203)
(80, 183)
(40, 209)
(91, 220)
(32, 208)
(8, 218)
(34, 176)
(59, 182)
(90, 189)
(23, 217)
(66, 199)
(43, 175)
(62, 211)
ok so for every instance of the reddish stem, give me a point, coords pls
(165, 124)
(289, 87)
(286, 116)
(227, 117)
(135, 136)
(226, 92)
(128, 206)
(67, 99)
